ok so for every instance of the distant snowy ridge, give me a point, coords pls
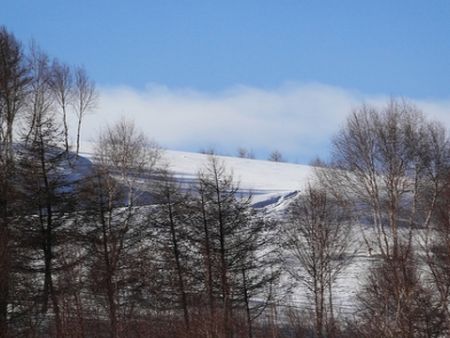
(268, 182)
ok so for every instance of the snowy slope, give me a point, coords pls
(256, 175)
(268, 182)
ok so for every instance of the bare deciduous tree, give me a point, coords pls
(245, 153)
(317, 247)
(393, 304)
(169, 221)
(437, 254)
(276, 156)
(46, 188)
(14, 79)
(63, 88)
(123, 155)
(392, 161)
(85, 100)
(229, 235)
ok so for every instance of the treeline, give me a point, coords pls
(120, 248)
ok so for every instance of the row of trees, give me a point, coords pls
(189, 258)
(90, 260)
(274, 156)
(80, 255)
(242, 152)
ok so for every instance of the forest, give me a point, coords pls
(119, 247)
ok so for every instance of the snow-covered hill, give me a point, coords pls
(268, 182)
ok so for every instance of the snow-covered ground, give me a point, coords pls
(266, 181)
(269, 183)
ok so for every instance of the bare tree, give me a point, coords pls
(245, 153)
(221, 193)
(228, 237)
(392, 161)
(86, 97)
(208, 151)
(276, 156)
(201, 237)
(128, 154)
(171, 237)
(123, 156)
(14, 79)
(259, 275)
(437, 254)
(63, 88)
(383, 312)
(316, 243)
(46, 188)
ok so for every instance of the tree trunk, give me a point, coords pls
(49, 289)
(5, 259)
(48, 246)
(112, 308)
(66, 129)
(223, 275)
(110, 290)
(331, 332)
(4, 280)
(208, 258)
(78, 135)
(247, 305)
(79, 310)
(176, 253)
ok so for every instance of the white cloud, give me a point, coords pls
(297, 119)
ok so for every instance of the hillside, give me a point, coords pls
(265, 180)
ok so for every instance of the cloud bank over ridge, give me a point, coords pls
(297, 119)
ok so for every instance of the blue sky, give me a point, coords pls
(219, 50)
